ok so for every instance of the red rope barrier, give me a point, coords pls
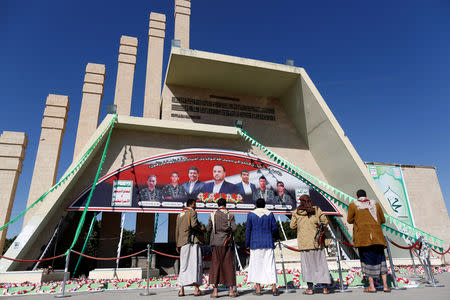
(244, 250)
(164, 254)
(442, 253)
(291, 248)
(417, 245)
(416, 254)
(108, 258)
(348, 244)
(32, 260)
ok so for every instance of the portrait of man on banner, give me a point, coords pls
(165, 182)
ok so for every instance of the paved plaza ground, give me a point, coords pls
(422, 293)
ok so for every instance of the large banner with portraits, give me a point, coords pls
(163, 183)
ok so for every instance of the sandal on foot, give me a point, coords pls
(367, 290)
(387, 290)
(200, 293)
(180, 294)
(311, 292)
(234, 295)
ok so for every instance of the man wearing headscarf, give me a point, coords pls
(307, 219)
(366, 216)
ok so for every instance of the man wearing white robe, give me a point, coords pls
(191, 263)
(260, 234)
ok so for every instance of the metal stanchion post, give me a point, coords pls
(430, 270)
(416, 275)
(287, 290)
(391, 262)
(66, 269)
(425, 269)
(423, 262)
(338, 256)
(237, 258)
(147, 290)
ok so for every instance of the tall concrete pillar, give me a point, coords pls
(152, 96)
(125, 74)
(12, 153)
(109, 238)
(182, 22)
(47, 157)
(94, 81)
(171, 228)
(145, 227)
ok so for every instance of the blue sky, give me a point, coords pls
(382, 67)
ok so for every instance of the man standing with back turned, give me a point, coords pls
(191, 263)
(367, 216)
(260, 233)
(222, 225)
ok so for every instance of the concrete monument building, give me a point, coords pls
(203, 96)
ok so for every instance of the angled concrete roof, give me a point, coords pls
(227, 73)
(312, 117)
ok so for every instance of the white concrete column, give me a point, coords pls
(94, 81)
(152, 96)
(182, 22)
(12, 153)
(47, 157)
(125, 74)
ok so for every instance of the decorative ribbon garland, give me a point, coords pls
(345, 199)
(83, 216)
(65, 177)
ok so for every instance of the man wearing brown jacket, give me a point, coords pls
(367, 216)
(191, 263)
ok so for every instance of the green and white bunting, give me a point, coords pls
(342, 199)
(70, 173)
